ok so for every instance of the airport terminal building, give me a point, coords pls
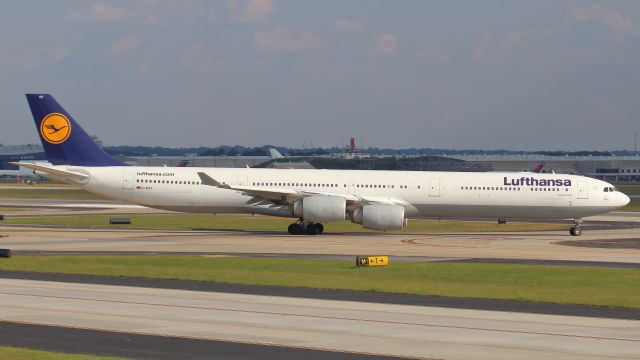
(608, 168)
(16, 153)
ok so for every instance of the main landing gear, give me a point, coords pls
(301, 227)
(576, 228)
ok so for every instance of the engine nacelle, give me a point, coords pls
(320, 208)
(380, 217)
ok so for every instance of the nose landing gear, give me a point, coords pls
(301, 227)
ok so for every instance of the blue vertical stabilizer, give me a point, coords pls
(64, 141)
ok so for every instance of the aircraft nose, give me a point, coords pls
(625, 200)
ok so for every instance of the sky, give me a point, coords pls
(511, 74)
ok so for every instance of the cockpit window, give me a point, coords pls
(610, 189)
(606, 189)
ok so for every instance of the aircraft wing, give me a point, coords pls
(284, 195)
(55, 172)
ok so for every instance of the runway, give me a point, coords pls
(344, 326)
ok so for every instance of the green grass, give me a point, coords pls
(262, 223)
(35, 193)
(12, 353)
(555, 284)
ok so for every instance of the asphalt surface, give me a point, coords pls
(135, 346)
(604, 244)
(324, 294)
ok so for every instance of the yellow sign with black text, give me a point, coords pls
(372, 260)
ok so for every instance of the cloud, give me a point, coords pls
(108, 14)
(58, 53)
(386, 44)
(431, 56)
(516, 37)
(250, 11)
(484, 49)
(620, 25)
(126, 45)
(347, 26)
(201, 57)
(281, 40)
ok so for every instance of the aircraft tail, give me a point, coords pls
(275, 154)
(64, 141)
(538, 168)
(184, 163)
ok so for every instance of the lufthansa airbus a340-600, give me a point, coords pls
(379, 200)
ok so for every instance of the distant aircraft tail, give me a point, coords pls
(64, 141)
(538, 168)
(275, 154)
(183, 163)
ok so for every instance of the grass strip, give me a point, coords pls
(554, 284)
(13, 353)
(634, 205)
(35, 193)
(264, 223)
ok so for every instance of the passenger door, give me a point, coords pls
(434, 187)
(583, 190)
(127, 179)
(352, 187)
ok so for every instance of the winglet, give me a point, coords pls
(209, 181)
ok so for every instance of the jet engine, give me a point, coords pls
(320, 208)
(380, 217)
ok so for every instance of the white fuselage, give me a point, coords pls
(425, 194)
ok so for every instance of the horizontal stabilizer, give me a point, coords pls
(55, 172)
